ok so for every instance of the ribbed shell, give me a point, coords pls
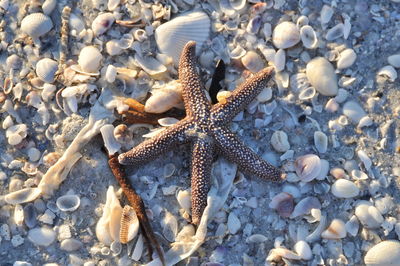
(385, 253)
(36, 25)
(129, 225)
(46, 68)
(172, 36)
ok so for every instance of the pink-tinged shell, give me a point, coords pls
(308, 167)
(304, 206)
(283, 204)
(102, 23)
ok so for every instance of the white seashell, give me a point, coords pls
(167, 121)
(16, 133)
(346, 59)
(366, 121)
(89, 59)
(352, 226)
(186, 233)
(331, 105)
(302, 21)
(164, 99)
(48, 91)
(308, 37)
(278, 253)
(362, 155)
(140, 35)
(299, 82)
(126, 41)
(42, 236)
(267, 31)
(321, 74)
(36, 25)
(341, 95)
(283, 204)
(70, 244)
(76, 23)
(13, 62)
(320, 141)
(394, 60)
(343, 188)
(122, 134)
(326, 14)
(280, 60)
(18, 215)
(388, 71)
(68, 203)
(279, 141)
(173, 35)
(308, 167)
(111, 74)
(385, 253)
(303, 250)
(129, 227)
(111, 144)
(113, 4)
(353, 111)
(102, 23)
(252, 62)
(46, 68)
(183, 197)
(169, 226)
(48, 6)
(138, 250)
(22, 196)
(336, 230)
(304, 206)
(368, 215)
(335, 32)
(113, 48)
(233, 223)
(151, 65)
(285, 35)
(358, 175)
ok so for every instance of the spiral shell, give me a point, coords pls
(36, 25)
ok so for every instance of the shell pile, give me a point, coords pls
(330, 119)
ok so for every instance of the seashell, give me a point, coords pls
(252, 62)
(116, 248)
(265, 95)
(254, 25)
(183, 197)
(129, 225)
(362, 155)
(353, 111)
(280, 60)
(46, 68)
(331, 105)
(320, 141)
(122, 134)
(222, 95)
(335, 32)
(299, 82)
(167, 121)
(368, 215)
(126, 41)
(346, 58)
(308, 37)
(304, 206)
(303, 250)
(138, 250)
(385, 253)
(70, 244)
(89, 59)
(321, 74)
(283, 204)
(279, 141)
(113, 48)
(36, 25)
(358, 175)
(285, 35)
(366, 121)
(140, 35)
(51, 158)
(22, 196)
(394, 60)
(337, 173)
(30, 215)
(68, 203)
(42, 236)
(173, 35)
(16, 133)
(48, 91)
(18, 215)
(389, 72)
(302, 21)
(102, 23)
(113, 4)
(278, 253)
(111, 144)
(13, 62)
(164, 99)
(336, 230)
(151, 65)
(48, 6)
(343, 188)
(341, 95)
(352, 226)
(307, 167)
(76, 23)
(169, 226)
(234, 223)
(326, 14)
(237, 4)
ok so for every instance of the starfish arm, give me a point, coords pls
(152, 148)
(246, 159)
(196, 103)
(241, 97)
(201, 173)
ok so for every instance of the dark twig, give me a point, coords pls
(215, 87)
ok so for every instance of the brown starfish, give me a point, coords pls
(205, 127)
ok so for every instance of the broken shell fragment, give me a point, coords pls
(302, 248)
(89, 59)
(252, 62)
(36, 25)
(304, 206)
(368, 215)
(68, 203)
(320, 141)
(22, 196)
(308, 167)
(152, 66)
(385, 253)
(343, 188)
(353, 111)
(285, 35)
(336, 230)
(322, 76)
(283, 204)
(165, 98)
(102, 23)
(46, 68)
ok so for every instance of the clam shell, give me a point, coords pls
(353, 111)
(283, 203)
(129, 225)
(304, 206)
(173, 35)
(343, 188)
(368, 215)
(321, 75)
(285, 35)
(68, 203)
(102, 23)
(346, 58)
(280, 60)
(89, 59)
(252, 62)
(336, 230)
(303, 249)
(385, 253)
(48, 6)
(46, 68)
(308, 37)
(320, 141)
(36, 25)
(308, 167)
(42, 236)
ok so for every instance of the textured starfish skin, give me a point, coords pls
(205, 127)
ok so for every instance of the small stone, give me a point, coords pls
(70, 244)
(17, 240)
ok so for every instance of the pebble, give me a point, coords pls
(394, 60)
(42, 236)
(353, 111)
(321, 74)
(368, 215)
(70, 244)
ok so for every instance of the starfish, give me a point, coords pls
(206, 128)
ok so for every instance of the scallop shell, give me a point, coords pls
(385, 253)
(102, 23)
(321, 75)
(46, 68)
(68, 203)
(129, 225)
(36, 25)
(308, 167)
(285, 35)
(42, 236)
(89, 59)
(173, 35)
